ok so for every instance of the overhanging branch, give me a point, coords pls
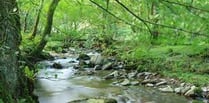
(142, 20)
(120, 19)
(185, 5)
(149, 22)
(109, 12)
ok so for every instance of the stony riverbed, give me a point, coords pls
(92, 79)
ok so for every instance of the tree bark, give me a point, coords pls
(9, 43)
(35, 28)
(47, 29)
(13, 82)
(153, 13)
(25, 22)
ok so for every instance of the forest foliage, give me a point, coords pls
(169, 36)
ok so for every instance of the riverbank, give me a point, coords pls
(187, 63)
(73, 80)
(126, 75)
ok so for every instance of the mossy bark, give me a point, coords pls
(11, 77)
(47, 29)
(35, 28)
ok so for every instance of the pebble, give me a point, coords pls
(178, 90)
(126, 82)
(150, 85)
(191, 91)
(161, 83)
(135, 83)
(166, 89)
(185, 89)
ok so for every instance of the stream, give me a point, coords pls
(64, 85)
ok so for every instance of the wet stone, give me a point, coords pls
(182, 84)
(115, 83)
(117, 66)
(207, 96)
(112, 75)
(132, 75)
(191, 91)
(140, 75)
(147, 73)
(95, 100)
(108, 77)
(153, 81)
(101, 101)
(126, 82)
(90, 72)
(107, 66)
(76, 66)
(178, 90)
(161, 83)
(122, 99)
(57, 66)
(64, 51)
(97, 67)
(83, 57)
(150, 85)
(205, 89)
(185, 89)
(166, 89)
(96, 59)
(82, 62)
(134, 83)
(147, 77)
(72, 61)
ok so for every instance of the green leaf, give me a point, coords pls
(29, 73)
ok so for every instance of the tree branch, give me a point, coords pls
(162, 25)
(185, 5)
(110, 12)
(126, 22)
(142, 20)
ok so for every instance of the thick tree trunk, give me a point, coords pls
(47, 29)
(13, 83)
(35, 28)
(9, 41)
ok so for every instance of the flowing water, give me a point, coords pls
(62, 86)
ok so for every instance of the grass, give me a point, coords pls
(54, 46)
(188, 63)
(197, 79)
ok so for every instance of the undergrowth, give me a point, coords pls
(182, 59)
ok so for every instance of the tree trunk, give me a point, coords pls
(37, 20)
(13, 83)
(25, 22)
(47, 29)
(9, 41)
(153, 13)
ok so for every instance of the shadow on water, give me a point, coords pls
(62, 86)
